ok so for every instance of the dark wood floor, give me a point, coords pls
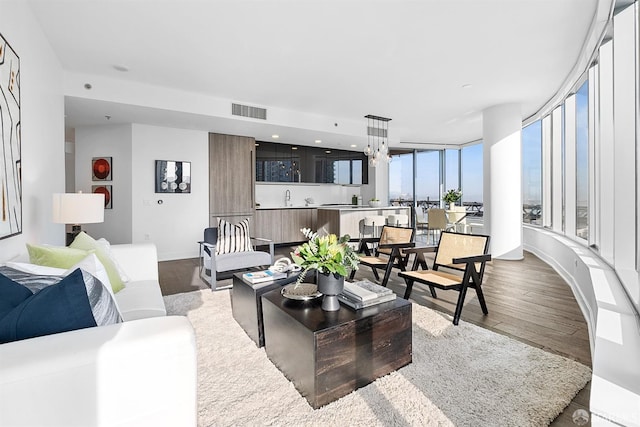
(527, 301)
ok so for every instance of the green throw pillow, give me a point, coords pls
(55, 256)
(85, 242)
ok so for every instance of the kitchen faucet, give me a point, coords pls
(287, 198)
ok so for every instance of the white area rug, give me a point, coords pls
(460, 376)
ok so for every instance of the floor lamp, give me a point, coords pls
(76, 209)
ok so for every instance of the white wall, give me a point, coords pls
(176, 225)
(107, 141)
(42, 134)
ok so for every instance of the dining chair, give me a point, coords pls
(436, 222)
(457, 219)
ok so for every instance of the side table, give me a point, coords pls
(246, 303)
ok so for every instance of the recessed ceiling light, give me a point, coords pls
(294, 148)
(318, 141)
(257, 145)
(327, 151)
(275, 136)
(353, 145)
(122, 68)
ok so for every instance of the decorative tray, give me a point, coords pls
(301, 292)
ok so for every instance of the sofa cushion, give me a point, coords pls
(55, 256)
(141, 299)
(233, 237)
(85, 242)
(77, 301)
(242, 260)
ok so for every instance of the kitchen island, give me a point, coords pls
(345, 219)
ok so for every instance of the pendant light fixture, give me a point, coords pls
(377, 132)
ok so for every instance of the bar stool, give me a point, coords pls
(399, 220)
(376, 222)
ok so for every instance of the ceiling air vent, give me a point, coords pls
(248, 111)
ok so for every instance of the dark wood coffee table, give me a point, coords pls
(327, 355)
(246, 304)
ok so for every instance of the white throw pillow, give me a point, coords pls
(104, 243)
(233, 237)
(40, 270)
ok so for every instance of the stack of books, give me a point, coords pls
(364, 294)
(263, 276)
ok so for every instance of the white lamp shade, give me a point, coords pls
(78, 208)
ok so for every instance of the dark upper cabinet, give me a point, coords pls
(276, 162)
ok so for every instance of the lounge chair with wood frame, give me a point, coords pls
(464, 253)
(388, 252)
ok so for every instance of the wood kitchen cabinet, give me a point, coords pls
(231, 177)
(268, 224)
(283, 225)
(295, 219)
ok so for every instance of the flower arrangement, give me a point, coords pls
(327, 254)
(452, 196)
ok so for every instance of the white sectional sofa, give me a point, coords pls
(141, 372)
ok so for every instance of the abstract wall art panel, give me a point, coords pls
(107, 190)
(10, 154)
(101, 168)
(173, 177)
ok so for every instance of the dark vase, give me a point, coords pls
(330, 285)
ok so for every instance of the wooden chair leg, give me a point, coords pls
(433, 291)
(459, 305)
(483, 304)
(352, 275)
(375, 273)
(409, 283)
(387, 274)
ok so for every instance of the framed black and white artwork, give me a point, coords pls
(173, 176)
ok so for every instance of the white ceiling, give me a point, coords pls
(336, 59)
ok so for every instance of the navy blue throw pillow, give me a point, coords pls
(59, 308)
(11, 295)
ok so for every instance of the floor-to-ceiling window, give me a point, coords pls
(532, 173)
(401, 177)
(437, 171)
(582, 161)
